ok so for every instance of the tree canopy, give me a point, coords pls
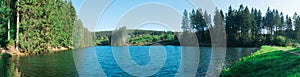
(245, 27)
(37, 26)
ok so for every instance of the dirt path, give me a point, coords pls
(289, 51)
(294, 52)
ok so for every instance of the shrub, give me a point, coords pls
(170, 37)
(280, 40)
(155, 39)
(11, 42)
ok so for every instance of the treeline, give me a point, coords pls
(124, 36)
(245, 27)
(37, 26)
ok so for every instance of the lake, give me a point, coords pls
(122, 61)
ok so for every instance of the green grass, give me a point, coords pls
(267, 62)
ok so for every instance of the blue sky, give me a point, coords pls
(138, 13)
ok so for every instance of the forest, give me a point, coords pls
(245, 27)
(39, 26)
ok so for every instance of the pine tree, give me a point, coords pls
(289, 27)
(218, 27)
(48, 25)
(246, 25)
(269, 23)
(277, 22)
(297, 27)
(185, 22)
(282, 24)
(198, 23)
(230, 25)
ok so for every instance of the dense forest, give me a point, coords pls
(38, 26)
(244, 27)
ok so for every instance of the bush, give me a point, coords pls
(280, 40)
(155, 39)
(170, 37)
(11, 42)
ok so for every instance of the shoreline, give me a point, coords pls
(11, 50)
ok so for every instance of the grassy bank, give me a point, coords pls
(267, 62)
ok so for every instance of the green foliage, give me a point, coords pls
(11, 42)
(45, 25)
(155, 39)
(137, 37)
(199, 21)
(281, 40)
(5, 15)
(244, 27)
(170, 37)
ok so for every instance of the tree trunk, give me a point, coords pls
(8, 32)
(18, 26)
(8, 25)
(203, 35)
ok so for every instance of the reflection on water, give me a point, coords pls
(7, 65)
(234, 54)
(58, 64)
(62, 63)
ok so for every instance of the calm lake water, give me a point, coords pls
(108, 61)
